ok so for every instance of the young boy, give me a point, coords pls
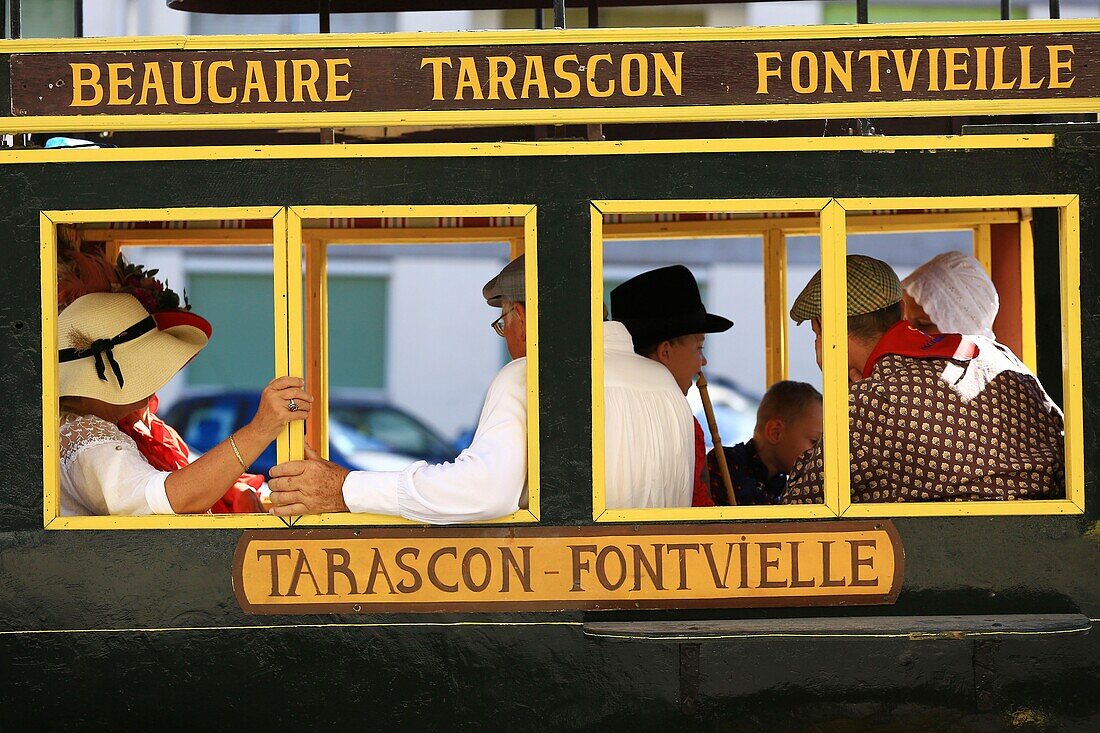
(788, 423)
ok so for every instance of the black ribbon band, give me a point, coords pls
(105, 347)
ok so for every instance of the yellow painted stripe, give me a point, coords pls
(544, 37)
(51, 391)
(1072, 381)
(531, 289)
(473, 150)
(484, 117)
(1027, 294)
(599, 420)
(834, 356)
(964, 508)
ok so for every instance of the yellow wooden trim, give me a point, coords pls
(171, 521)
(316, 333)
(599, 418)
(295, 308)
(180, 237)
(610, 115)
(705, 206)
(531, 288)
(1069, 238)
(834, 356)
(983, 247)
(955, 202)
(51, 391)
(413, 211)
(281, 315)
(520, 516)
(515, 247)
(940, 221)
(524, 149)
(545, 37)
(202, 213)
(717, 513)
(963, 508)
(776, 365)
(112, 249)
(1027, 295)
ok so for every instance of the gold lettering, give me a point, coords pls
(906, 74)
(763, 72)
(468, 78)
(305, 82)
(501, 82)
(590, 77)
(1025, 70)
(82, 82)
(952, 67)
(999, 70)
(254, 81)
(212, 90)
(177, 83)
(627, 76)
(874, 58)
(796, 73)
(672, 73)
(331, 95)
(834, 69)
(280, 80)
(153, 80)
(534, 76)
(1057, 66)
(115, 82)
(862, 562)
(934, 69)
(572, 77)
(437, 63)
(980, 68)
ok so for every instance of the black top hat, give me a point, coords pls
(663, 304)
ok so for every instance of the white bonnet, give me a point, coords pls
(956, 293)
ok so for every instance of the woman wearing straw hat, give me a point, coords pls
(112, 359)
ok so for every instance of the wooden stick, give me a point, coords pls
(719, 453)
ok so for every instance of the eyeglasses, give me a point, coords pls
(498, 325)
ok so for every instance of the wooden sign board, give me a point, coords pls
(594, 568)
(604, 76)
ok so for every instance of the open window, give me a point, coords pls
(790, 240)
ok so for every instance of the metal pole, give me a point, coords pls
(559, 14)
(861, 11)
(78, 18)
(1006, 11)
(16, 25)
(1055, 9)
(325, 16)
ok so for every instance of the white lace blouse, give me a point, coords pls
(103, 472)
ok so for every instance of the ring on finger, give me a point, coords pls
(292, 405)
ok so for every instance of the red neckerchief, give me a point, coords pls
(904, 340)
(700, 489)
(165, 450)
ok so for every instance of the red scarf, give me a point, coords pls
(165, 450)
(700, 490)
(904, 340)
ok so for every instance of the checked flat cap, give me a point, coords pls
(872, 285)
(508, 285)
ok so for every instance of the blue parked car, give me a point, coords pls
(364, 434)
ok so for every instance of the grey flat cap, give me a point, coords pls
(508, 285)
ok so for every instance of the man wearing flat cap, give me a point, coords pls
(489, 478)
(931, 418)
(664, 313)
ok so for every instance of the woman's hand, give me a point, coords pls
(275, 402)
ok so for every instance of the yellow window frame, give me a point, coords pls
(49, 221)
(832, 225)
(311, 246)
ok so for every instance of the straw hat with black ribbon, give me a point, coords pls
(111, 349)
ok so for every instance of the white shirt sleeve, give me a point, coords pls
(112, 477)
(486, 481)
